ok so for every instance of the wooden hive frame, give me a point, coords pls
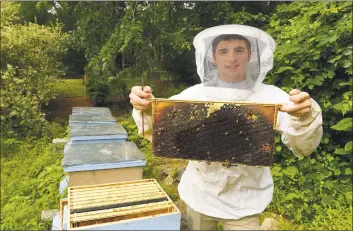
(94, 206)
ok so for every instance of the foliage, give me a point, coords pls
(314, 54)
(29, 65)
(30, 174)
(36, 12)
(9, 14)
(340, 218)
(96, 20)
(99, 93)
(163, 89)
(74, 62)
(118, 89)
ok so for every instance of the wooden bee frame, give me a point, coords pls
(231, 133)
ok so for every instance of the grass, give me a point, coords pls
(69, 88)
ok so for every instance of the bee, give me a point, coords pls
(251, 116)
(266, 148)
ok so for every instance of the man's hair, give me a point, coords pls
(229, 37)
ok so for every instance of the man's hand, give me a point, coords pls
(139, 98)
(301, 106)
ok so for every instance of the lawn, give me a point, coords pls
(69, 88)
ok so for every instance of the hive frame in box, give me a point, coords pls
(148, 216)
(264, 114)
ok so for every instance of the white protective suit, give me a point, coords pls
(236, 192)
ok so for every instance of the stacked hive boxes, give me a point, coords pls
(106, 190)
(98, 152)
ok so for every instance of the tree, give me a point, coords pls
(29, 65)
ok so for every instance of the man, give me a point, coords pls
(232, 61)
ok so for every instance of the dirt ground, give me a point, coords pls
(62, 107)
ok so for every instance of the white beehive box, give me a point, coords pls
(90, 110)
(130, 205)
(97, 133)
(91, 118)
(101, 163)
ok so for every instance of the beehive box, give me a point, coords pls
(133, 205)
(98, 163)
(97, 133)
(231, 133)
(93, 119)
(90, 111)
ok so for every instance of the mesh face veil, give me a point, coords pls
(231, 59)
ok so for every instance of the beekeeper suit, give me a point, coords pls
(232, 61)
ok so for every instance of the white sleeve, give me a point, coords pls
(302, 135)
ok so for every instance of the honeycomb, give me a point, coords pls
(231, 133)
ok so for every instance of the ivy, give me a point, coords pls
(344, 125)
(314, 54)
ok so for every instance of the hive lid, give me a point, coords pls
(105, 118)
(230, 133)
(98, 156)
(90, 110)
(92, 131)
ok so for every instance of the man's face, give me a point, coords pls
(232, 57)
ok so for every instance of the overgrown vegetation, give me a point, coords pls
(316, 58)
(30, 176)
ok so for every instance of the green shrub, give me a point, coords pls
(118, 90)
(98, 93)
(314, 54)
(29, 65)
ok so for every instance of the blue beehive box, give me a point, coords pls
(91, 119)
(90, 111)
(99, 163)
(97, 133)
